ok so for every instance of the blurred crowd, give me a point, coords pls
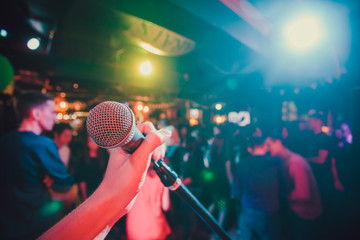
(297, 180)
(292, 181)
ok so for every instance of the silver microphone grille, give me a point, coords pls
(110, 123)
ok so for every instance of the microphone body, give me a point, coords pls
(111, 124)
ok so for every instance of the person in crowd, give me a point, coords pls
(298, 137)
(89, 166)
(220, 167)
(259, 184)
(185, 136)
(116, 194)
(28, 206)
(193, 174)
(239, 146)
(320, 155)
(303, 196)
(147, 211)
(345, 127)
(343, 155)
(62, 135)
(174, 153)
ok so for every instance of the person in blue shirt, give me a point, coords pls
(259, 185)
(34, 181)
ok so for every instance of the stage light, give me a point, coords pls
(218, 106)
(303, 33)
(3, 33)
(145, 68)
(33, 43)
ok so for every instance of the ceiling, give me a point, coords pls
(94, 45)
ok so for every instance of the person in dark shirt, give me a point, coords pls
(220, 166)
(259, 183)
(89, 167)
(304, 201)
(32, 174)
(321, 157)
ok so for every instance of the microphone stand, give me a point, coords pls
(171, 179)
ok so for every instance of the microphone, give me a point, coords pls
(112, 124)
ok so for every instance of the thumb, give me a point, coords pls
(153, 139)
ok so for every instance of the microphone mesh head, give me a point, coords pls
(110, 123)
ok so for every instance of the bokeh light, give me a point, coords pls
(140, 107)
(63, 104)
(146, 109)
(33, 43)
(218, 106)
(3, 33)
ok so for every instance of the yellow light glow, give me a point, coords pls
(145, 68)
(193, 122)
(146, 109)
(151, 49)
(66, 117)
(325, 129)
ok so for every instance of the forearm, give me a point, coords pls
(81, 224)
(320, 158)
(103, 208)
(314, 160)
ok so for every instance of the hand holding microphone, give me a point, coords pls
(124, 175)
(112, 124)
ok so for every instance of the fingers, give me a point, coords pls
(159, 152)
(146, 127)
(152, 143)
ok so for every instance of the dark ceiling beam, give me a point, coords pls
(235, 21)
